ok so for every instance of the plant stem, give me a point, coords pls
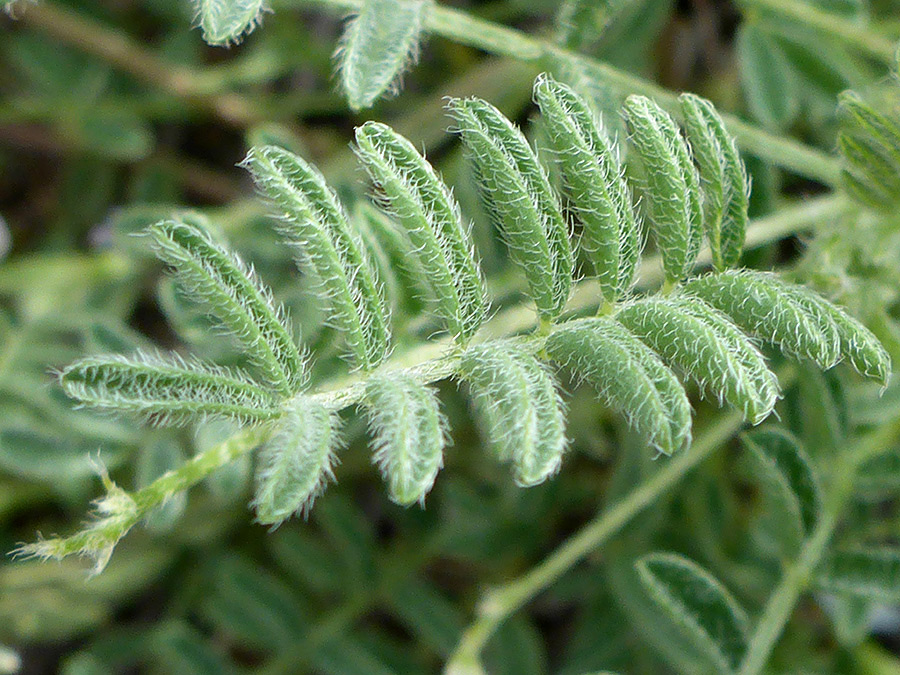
(89, 36)
(808, 14)
(797, 576)
(462, 28)
(499, 603)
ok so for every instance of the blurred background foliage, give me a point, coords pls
(114, 114)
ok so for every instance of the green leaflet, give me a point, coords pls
(699, 607)
(166, 390)
(377, 46)
(872, 573)
(768, 80)
(673, 185)
(726, 188)
(869, 142)
(521, 199)
(594, 183)
(856, 342)
(704, 344)
(316, 227)
(628, 377)
(229, 290)
(296, 462)
(410, 434)
(226, 21)
(521, 409)
(789, 481)
(412, 192)
(765, 306)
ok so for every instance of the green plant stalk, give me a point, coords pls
(858, 36)
(459, 27)
(498, 604)
(798, 575)
(201, 88)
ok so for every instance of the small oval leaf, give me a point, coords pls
(410, 434)
(699, 607)
(296, 462)
(726, 187)
(519, 406)
(378, 44)
(227, 21)
(672, 185)
(521, 200)
(594, 183)
(629, 377)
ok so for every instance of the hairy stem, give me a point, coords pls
(854, 34)
(460, 27)
(798, 575)
(498, 604)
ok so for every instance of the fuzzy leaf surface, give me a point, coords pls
(167, 389)
(378, 44)
(316, 227)
(410, 434)
(869, 142)
(411, 191)
(518, 402)
(227, 21)
(230, 290)
(629, 377)
(296, 462)
(594, 184)
(704, 344)
(518, 194)
(726, 188)
(673, 185)
(766, 307)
